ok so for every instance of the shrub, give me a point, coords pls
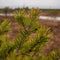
(31, 37)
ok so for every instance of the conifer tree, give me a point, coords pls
(31, 37)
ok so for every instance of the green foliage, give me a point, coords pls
(31, 38)
(4, 27)
(54, 55)
(29, 23)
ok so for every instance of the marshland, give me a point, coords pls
(29, 33)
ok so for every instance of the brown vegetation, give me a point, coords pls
(54, 43)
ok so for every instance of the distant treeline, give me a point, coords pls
(10, 10)
(48, 12)
(27, 8)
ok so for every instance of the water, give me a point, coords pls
(1, 14)
(41, 17)
(49, 18)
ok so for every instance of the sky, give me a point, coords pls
(30, 3)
